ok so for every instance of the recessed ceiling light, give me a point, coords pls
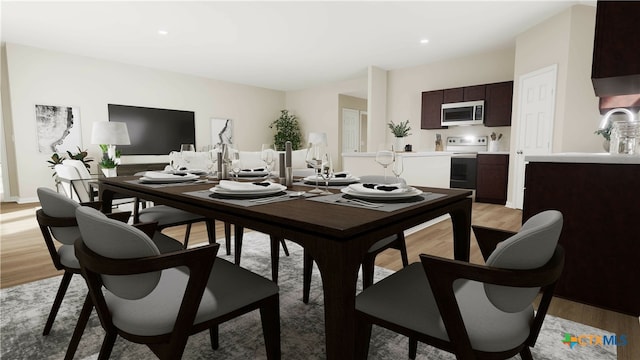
(424, 41)
(163, 32)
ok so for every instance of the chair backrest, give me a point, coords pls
(75, 179)
(57, 205)
(117, 240)
(532, 247)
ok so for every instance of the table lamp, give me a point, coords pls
(110, 133)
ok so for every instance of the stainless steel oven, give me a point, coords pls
(464, 159)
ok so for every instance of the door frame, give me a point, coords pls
(519, 164)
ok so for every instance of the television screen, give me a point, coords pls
(154, 131)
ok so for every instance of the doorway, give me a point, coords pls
(537, 99)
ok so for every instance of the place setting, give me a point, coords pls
(248, 193)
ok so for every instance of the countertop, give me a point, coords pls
(405, 154)
(585, 158)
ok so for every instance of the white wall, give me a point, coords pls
(37, 76)
(405, 87)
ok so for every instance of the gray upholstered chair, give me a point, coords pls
(368, 265)
(472, 311)
(160, 300)
(58, 225)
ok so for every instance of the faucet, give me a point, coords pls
(605, 118)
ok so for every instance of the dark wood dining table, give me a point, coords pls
(336, 236)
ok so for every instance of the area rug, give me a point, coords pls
(24, 310)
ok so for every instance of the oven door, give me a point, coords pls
(463, 172)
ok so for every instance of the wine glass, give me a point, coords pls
(268, 156)
(186, 152)
(384, 157)
(314, 159)
(174, 160)
(212, 157)
(398, 166)
(236, 165)
(326, 172)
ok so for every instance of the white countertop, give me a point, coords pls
(405, 154)
(584, 158)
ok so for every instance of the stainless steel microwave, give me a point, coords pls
(463, 113)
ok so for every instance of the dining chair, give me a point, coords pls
(58, 225)
(160, 300)
(473, 311)
(396, 241)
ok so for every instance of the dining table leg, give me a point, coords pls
(461, 221)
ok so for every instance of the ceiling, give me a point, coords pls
(277, 45)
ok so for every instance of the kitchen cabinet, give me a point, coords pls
(431, 109)
(474, 93)
(616, 58)
(497, 105)
(453, 95)
(599, 203)
(491, 178)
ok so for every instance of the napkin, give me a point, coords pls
(342, 174)
(252, 170)
(379, 188)
(161, 175)
(247, 186)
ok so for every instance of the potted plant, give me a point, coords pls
(108, 166)
(606, 134)
(287, 129)
(400, 131)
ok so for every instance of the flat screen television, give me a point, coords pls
(154, 131)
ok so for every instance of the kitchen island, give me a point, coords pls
(599, 196)
(428, 168)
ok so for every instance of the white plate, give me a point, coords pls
(197, 171)
(248, 193)
(252, 173)
(333, 181)
(383, 196)
(177, 179)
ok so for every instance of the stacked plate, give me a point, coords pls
(340, 179)
(154, 177)
(259, 172)
(381, 191)
(238, 189)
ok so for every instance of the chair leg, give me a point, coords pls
(413, 348)
(227, 237)
(211, 230)
(306, 276)
(367, 270)
(214, 336)
(62, 289)
(186, 236)
(275, 257)
(238, 232)
(85, 313)
(525, 353)
(107, 344)
(284, 247)
(402, 244)
(270, 317)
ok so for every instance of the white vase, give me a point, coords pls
(398, 144)
(493, 146)
(113, 172)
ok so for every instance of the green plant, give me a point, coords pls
(80, 155)
(107, 163)
(400, 130)
(287, 129)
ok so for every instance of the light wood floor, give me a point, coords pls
(24, 258)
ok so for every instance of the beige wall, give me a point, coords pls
(405, 87)
(37, 76)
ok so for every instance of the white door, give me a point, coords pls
(350, 130)
(535, 121)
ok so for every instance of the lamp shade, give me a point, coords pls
(110, 133)
(318, 138)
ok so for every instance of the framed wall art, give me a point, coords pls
(221, 131)
(58, 129)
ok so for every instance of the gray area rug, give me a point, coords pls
(24, 310)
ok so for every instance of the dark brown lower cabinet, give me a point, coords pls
(491, 179)
(601, 233)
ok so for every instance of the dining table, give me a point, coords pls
(336, 234)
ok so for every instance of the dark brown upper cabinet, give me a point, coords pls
(474, 93)
(453, 95)
(497, 105)
(431, 109)
(616, 56)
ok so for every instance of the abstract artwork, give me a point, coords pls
(58, 129)
(221, 131)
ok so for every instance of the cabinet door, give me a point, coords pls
(498, 99)
(453, 95)
(474, 93)
(431, 109)
(616, 57)
(491, 179)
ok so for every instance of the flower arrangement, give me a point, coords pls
(400, 130)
